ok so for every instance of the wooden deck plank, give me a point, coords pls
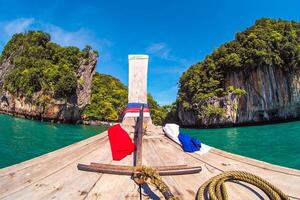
(290, 184)
(47, 157)
(55, 176)
(114, 186)
(26, 176)
(271, 173)
(188, 189)
(154, 146)
(67, 182)
(256, 163)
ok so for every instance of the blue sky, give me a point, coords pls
(175, 34)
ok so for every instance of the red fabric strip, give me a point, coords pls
(120, 142)
(136, 110)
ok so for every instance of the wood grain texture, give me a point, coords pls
(55, 175)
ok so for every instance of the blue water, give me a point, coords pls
(22, 139)
(277, 143)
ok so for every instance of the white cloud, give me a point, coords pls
(163, 51)
(160, 50)
(59, 35)
(67, 38)
(176, 65)
(17, 25)
(79, 38)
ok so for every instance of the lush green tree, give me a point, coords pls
(110, 97)
(41, 66)
(268, 42)
(158, 113)
(171, 113)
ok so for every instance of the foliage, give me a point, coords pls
(171, 116)
(49, 70)
(237, 91)
(109, 99)
(158, 113)
(41, 66)
(213, 111)
(267, 43)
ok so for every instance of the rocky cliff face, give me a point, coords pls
(85, 75)
(195, 117)
(5, 67)
(50, 109)
(272, 94)
(254, 78)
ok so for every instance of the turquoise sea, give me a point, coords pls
(276, 143)
(22, 139)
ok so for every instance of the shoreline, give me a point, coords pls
(98, 123)
(244, 124)
(101, 124)
(106, 123)
(79, 122)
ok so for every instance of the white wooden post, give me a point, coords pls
(137, 85)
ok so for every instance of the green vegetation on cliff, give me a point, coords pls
(41, 66)
(42, 70)
(109, 99)
(268, 42)
(158, 113)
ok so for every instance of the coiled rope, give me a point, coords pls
(217, 190)
(215, 186)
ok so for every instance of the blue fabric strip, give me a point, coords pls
(136, 105)
(188, 143)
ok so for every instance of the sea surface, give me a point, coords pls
(23, 139)
(277, 143)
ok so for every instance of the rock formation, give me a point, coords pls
(252, 79)
(272, 94)
(50, 109)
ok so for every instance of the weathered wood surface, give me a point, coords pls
(55, 175)
(137, 79)
(138, 139)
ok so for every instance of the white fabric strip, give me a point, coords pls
(129, 114)
(172, 131)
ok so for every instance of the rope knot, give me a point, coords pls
(143, 174)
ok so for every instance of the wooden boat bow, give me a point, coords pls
(137, 163)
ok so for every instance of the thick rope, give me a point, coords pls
(217, 190)
(150, 175)
(215, 186)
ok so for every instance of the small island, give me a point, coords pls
(252, 79)
(42, 80)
